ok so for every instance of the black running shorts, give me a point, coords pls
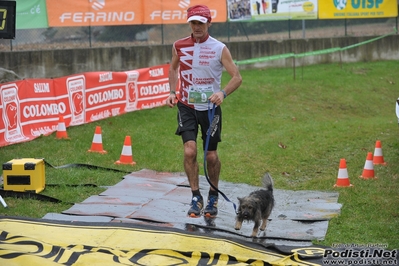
(188, 120)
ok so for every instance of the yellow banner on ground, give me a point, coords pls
(339, 9)
(24, 242)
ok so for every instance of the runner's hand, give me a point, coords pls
(217, 98)
(171, 101)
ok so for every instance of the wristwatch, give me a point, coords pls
(224, 94)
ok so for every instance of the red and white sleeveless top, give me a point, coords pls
(200, 70)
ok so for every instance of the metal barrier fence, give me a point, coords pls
(111, 36)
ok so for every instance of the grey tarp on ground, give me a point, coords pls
(163, 199)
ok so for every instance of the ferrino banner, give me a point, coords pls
(67, 13)
(340, 9)
(32, 107)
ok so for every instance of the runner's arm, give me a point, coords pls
(173, 78)
(233, 71)
(234, 82)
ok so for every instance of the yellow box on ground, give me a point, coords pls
(27, 174)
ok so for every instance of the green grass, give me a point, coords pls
(326, 113)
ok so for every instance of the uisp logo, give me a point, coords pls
(340, 4)
(97, 4)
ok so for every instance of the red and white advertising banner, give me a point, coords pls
(73, 13)
(63, 13)
(175, 12)
(30, 108)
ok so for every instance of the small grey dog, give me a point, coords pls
(256, 206)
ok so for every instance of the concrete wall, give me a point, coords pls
(57, 63)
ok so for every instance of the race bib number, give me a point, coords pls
(199, 94)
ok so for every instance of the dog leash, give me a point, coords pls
(211, 116)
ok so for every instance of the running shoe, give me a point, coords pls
(211, 208)
(196, 206)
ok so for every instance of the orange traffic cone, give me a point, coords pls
(97, 144)
(378, 157)
(368, 171)
(343, 179)
(126, 155)
(61, 130)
